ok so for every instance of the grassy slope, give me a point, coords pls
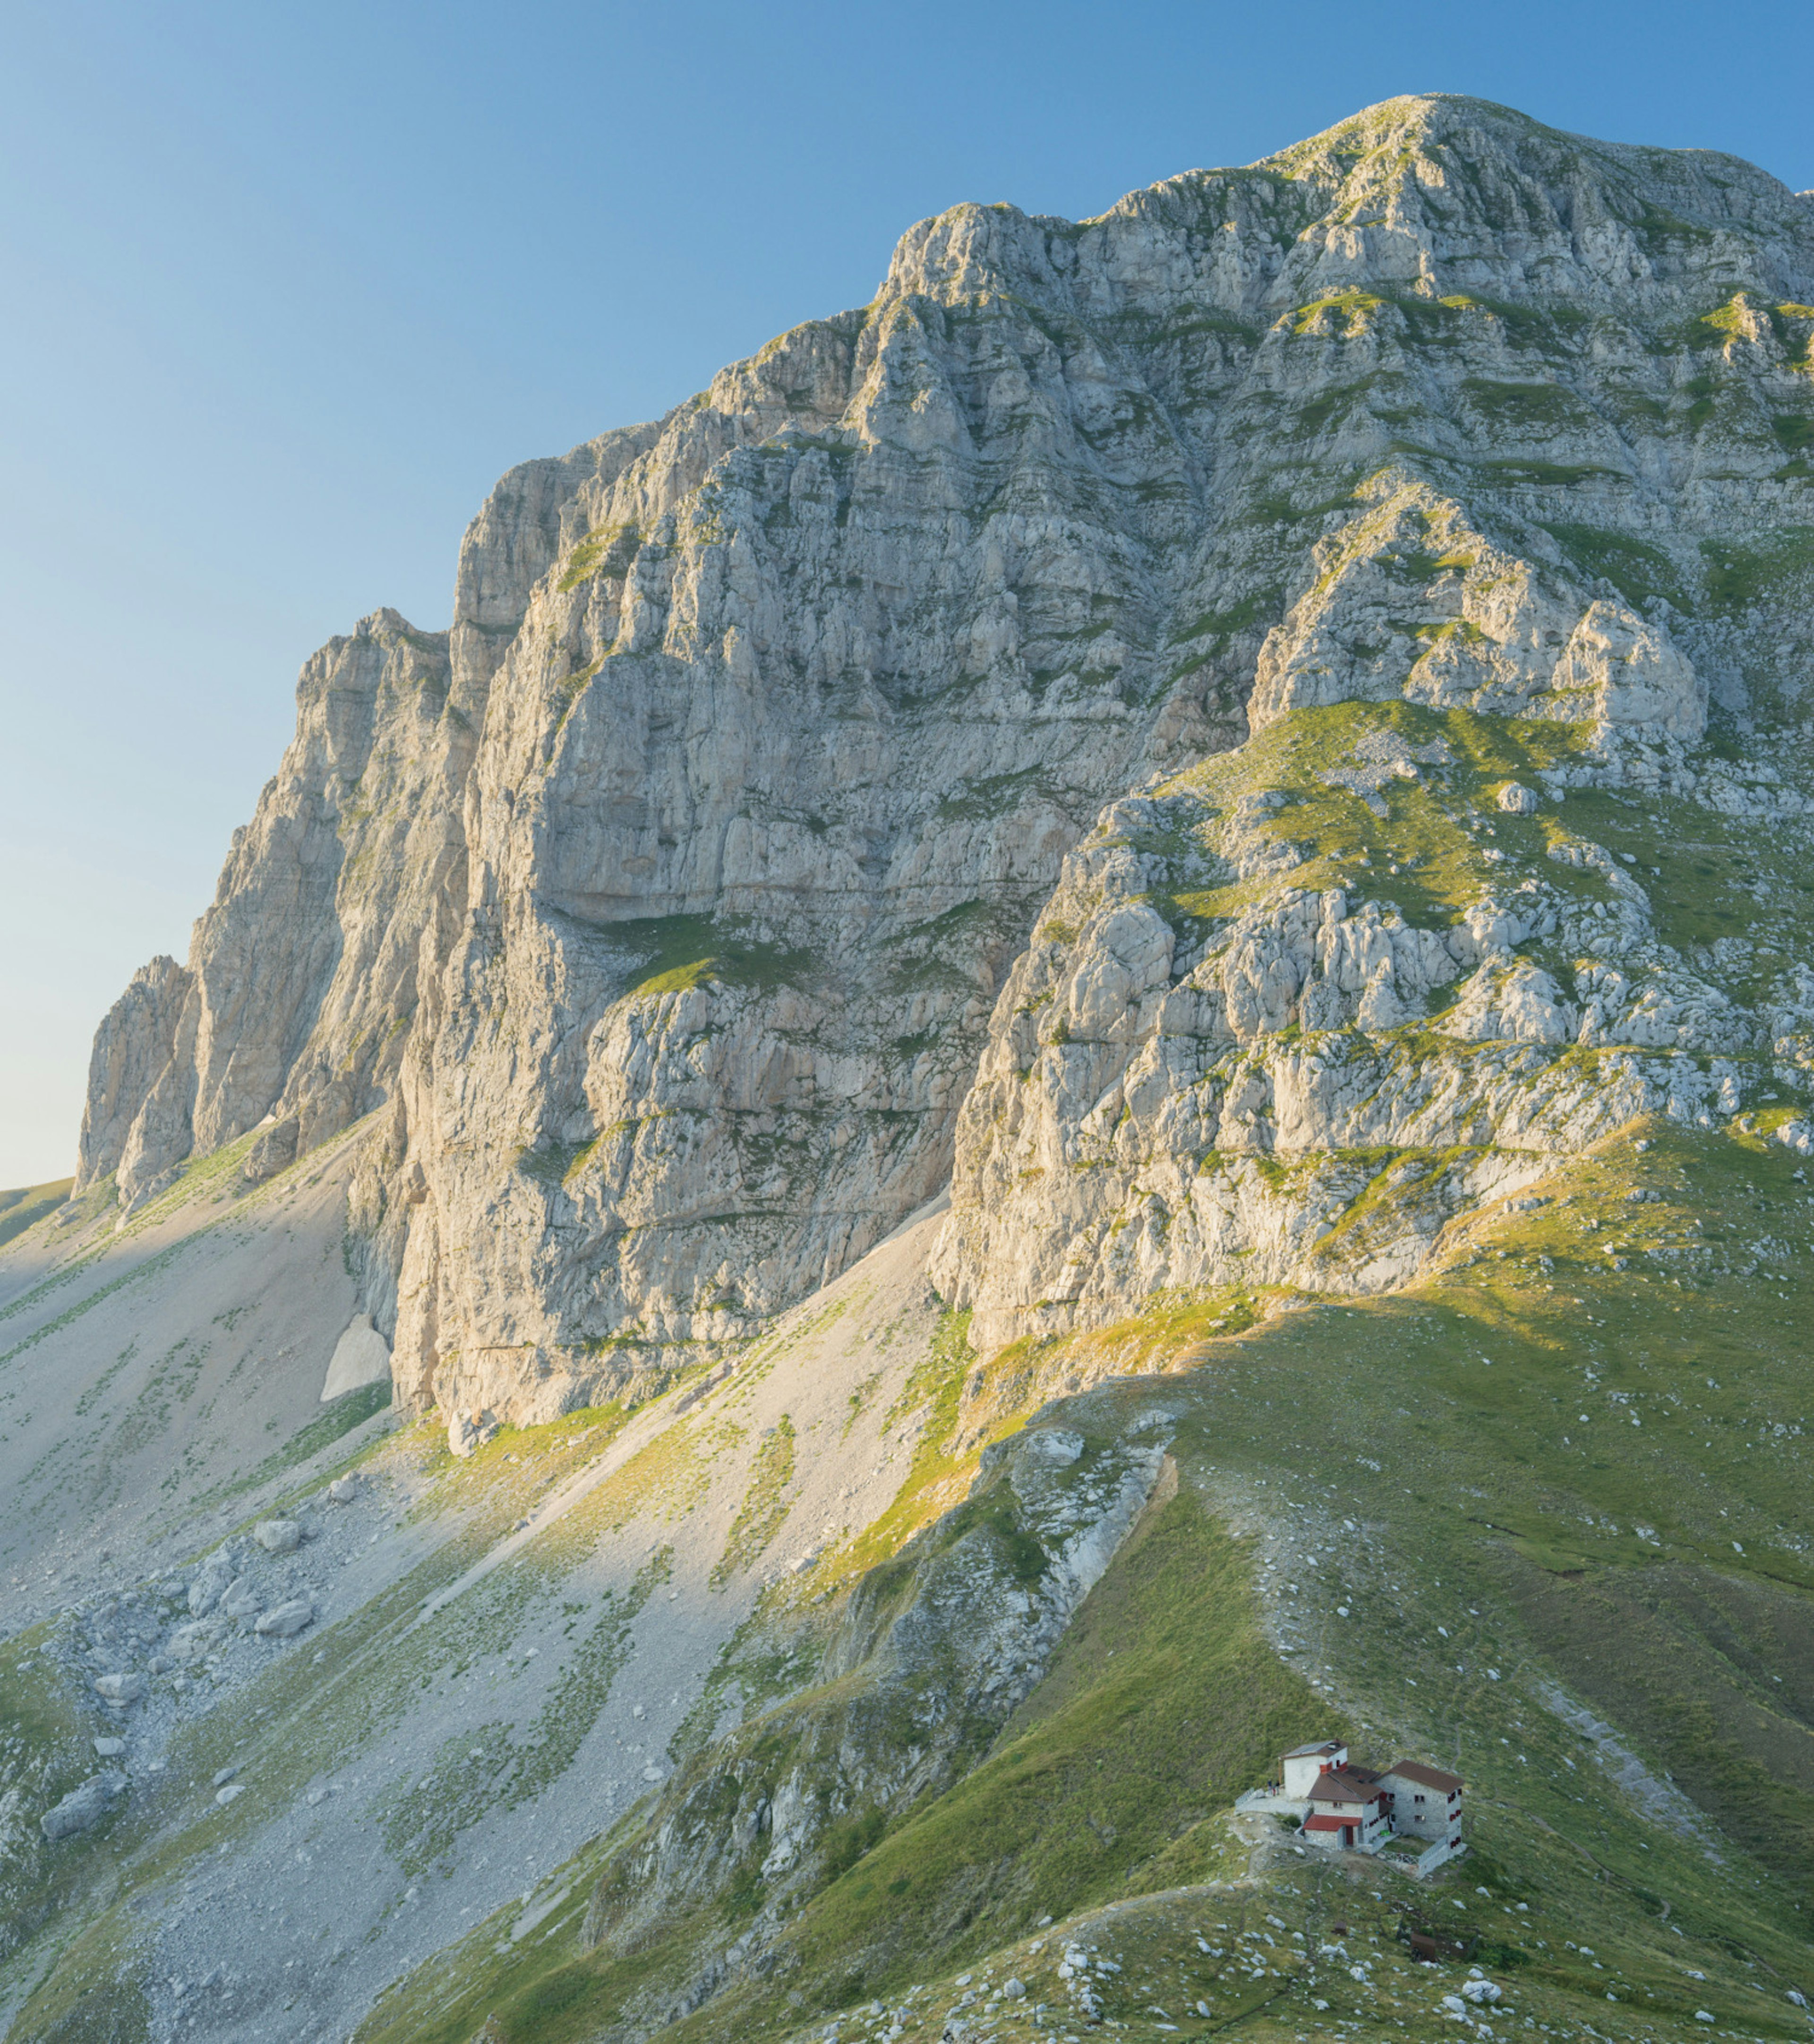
(24, 1205)
(1645, 1562)
(1494, 1529)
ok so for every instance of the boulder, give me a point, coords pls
(127, 1689)
(273, 1151)
(1056, 1445)
(82, 1808)
(278, 1536)
(242, 1600)
(284, 1621)
(211, 1580)
(467, 1432)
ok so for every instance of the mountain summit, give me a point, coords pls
(1100, 972)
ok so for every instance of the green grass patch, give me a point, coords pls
(1546, 474)
(1738, 576)
(1512, 405)
(1639, 571)
(680, 952)
(26, 1205)
(993, 795)
(765, 1505)
(1421, 857)
(607, 550)
(1343, 313)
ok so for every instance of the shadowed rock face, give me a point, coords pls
(657, 911)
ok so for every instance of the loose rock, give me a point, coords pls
(243, 1600)
(211, 1580)
(82, 1808)
(286, 1620)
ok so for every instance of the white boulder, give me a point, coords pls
(468, 1432)
(284, 1620)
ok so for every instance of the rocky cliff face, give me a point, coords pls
(663, 913)
(303, 976)
(1291, 1017)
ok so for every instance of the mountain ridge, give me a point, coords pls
(1258, 744)
(559, 586)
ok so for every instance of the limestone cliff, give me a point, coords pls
(1288, 1018)
(658, 911)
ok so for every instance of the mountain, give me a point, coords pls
(1069, 1038)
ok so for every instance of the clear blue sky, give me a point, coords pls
(286, 287)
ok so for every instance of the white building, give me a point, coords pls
(1298, 1769)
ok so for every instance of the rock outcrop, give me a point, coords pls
(1192, 1081)
(657, 913)
(1486, 631)
(303, 976)
(133, 1048)
(82, 1808)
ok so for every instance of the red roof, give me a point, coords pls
(1426, 1777)
(1329, 1823)
(1338, 1785)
